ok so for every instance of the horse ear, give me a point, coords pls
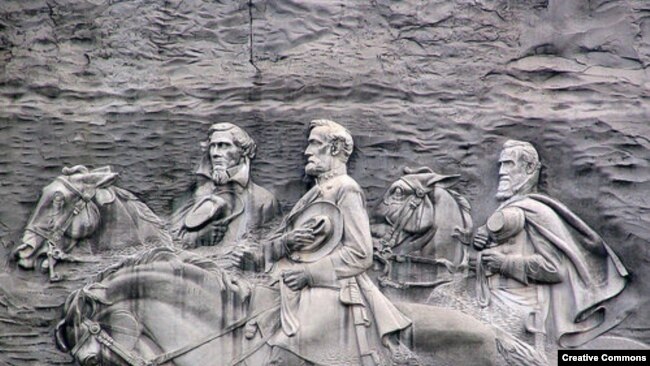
(103, 169)
(422, 169)
(106, 180)
(99, 179)
(442, 180)
(75, 169)
(104, 196)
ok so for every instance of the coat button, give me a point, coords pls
(295, 257)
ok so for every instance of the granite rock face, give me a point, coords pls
(135, 84)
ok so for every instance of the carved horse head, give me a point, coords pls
(420, 214)
(157, 308)
(87, 325)
(70, 209)
(67, 211)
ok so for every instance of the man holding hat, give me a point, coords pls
(540, 260)
(330, 312)
(226, 203)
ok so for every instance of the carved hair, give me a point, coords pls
(336, 134)
(525, 151)
(240, 137)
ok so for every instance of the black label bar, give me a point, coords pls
(602, 357)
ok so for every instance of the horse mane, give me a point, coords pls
(84, 303)
(141, 211)
(160, 254)
(464, 206)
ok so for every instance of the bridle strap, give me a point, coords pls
(94, 330)
(168, 356)
(59, 230)
(74, 189)
(84, 338)
(55, 237)
(406, 211)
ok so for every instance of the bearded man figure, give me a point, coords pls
(225, 204)
(542, 261)
(330, 312)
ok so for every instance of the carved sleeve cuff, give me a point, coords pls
(515, 267)
(274, 250)
(321, 273)
(542, 270)
(530, 268)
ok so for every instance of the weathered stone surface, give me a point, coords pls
(135, 84)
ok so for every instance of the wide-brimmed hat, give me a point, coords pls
(325, 219)
(212, 207)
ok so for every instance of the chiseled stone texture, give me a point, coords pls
(136, 84)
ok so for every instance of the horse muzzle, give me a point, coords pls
(27, 252)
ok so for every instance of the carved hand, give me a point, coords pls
(296, 279)
(298, 239)
(481, 238)
(242, 258)
(493, 260)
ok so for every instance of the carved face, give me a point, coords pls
(224, 152)
(56, 206)
(395, 200)
(514, 172)
(319, 153)
(52, 210)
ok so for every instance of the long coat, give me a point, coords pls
(560, 269)
(253, 206)
(341, 316)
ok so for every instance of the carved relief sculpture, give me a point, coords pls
(82, 211)
(542, 261)
(318, 306)
(481, 199)
(225, 203)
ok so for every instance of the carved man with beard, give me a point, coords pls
(330, 312)
(226, 203)
(542, 261)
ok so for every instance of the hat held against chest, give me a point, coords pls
(326, 222)
(209, 208)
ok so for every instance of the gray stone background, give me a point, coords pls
(135, 84)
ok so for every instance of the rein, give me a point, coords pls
(389, 241)
(55, 236)
(95, 331)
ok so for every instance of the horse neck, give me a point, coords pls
(449, 211)
(168, 296)
(124, 224)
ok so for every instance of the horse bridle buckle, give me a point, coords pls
(420, 193)
(94, 328)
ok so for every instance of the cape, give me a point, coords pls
(593, 273)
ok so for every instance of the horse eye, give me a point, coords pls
(398, 192)
(58, 199)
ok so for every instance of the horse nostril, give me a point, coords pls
(91, 360)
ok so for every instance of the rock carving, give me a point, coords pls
(82, 211)
(317, 305)
(421, 221)
(326, 286)
(543, 276)
(225, 203)
(543, 261)
(107, 322)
